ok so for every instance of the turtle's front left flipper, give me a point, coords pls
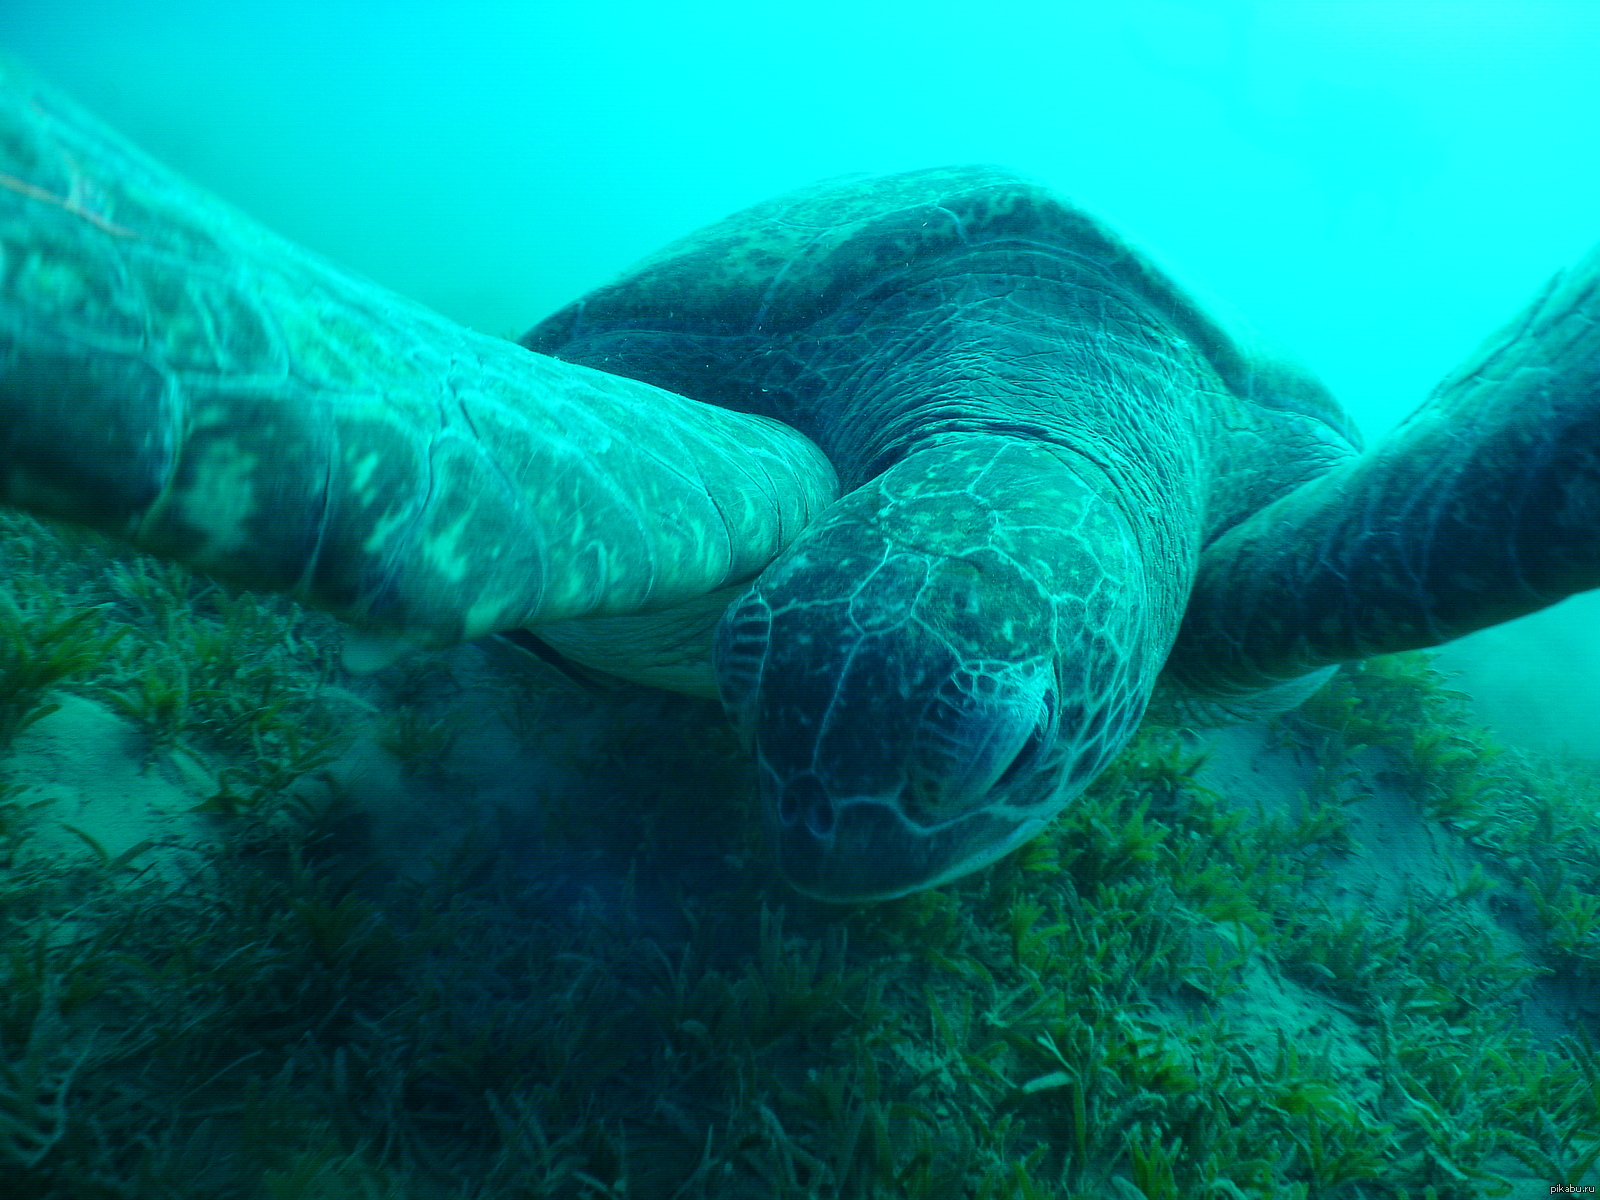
(1483, 506)
(175, 374)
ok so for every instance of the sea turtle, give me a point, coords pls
(930, 476)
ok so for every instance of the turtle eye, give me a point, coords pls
(965, 739)
(1039, 741)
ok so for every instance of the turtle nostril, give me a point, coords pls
(820, 816)
(805, 799)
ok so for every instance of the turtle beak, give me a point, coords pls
(863, 848)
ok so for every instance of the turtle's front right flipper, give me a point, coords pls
(175, 374)
(1482, 506)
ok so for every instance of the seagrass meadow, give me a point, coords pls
(463, 930)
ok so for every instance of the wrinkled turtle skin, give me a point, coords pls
(933, 479)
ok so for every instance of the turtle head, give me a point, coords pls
(920, 694)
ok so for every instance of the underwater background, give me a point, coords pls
(464, 930)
